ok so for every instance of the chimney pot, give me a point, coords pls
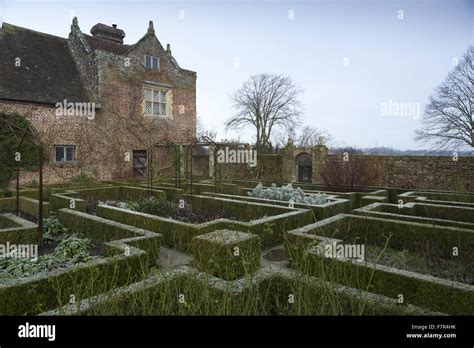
(105, 32)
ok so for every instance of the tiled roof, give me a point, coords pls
(106, 45)
(47, 71)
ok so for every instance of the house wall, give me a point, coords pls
(105, 144)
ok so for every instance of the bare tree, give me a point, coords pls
(266, 102)
(310, 136)
(202, 131)
(281, 137)
(448, 119)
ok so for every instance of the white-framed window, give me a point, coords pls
(152, 62)
(64, 153)
(155, 101)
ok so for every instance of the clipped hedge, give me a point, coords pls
(27, 206)
(333, 207)
(16, 230)
(366, 200)
(67, 200)
(226, 254)
(421, 290)
(264, 294)
(172, 194)
(422, 213)
(177, 234)
(417, 289)
(437, 198)
(124, 261)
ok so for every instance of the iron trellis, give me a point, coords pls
(163, 143)
(39, 145)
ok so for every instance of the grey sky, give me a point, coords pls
(348, 56)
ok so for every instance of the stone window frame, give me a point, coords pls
(163, 90)
(152, 59)
(65, 147)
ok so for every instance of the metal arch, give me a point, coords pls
(204, 140)
(150, 172)
(189, 151)
(29, 131)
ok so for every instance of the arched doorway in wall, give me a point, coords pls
(304, 167)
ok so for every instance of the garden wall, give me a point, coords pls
(422, 172)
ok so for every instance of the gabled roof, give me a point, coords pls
(47, 74)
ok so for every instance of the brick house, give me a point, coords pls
(96, 103)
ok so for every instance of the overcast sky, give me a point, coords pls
(356, 60)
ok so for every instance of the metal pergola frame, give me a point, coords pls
(204, 141)
(189, 149)
(162, 143)
(39, 145)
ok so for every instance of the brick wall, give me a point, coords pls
(105, 144)
(420, 172)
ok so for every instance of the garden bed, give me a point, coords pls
(183, 212)
(332, 207)
(417, 285)
(266, 293)
(17, 230)
(268, 221)
(442, 215)
(438, 198)
(126, 255)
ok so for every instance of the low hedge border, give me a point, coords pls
(21, 231)
(124, 262)
(27, 206)
(366, 200)
(119, 193)
(411, 236)
(80, 197)
(177, 234)
(355, 198)
(172, 194)
(437, 198)
(226, 254)
(272, 284)
(67, 200)
(418, 289)
(421, 213)
(333, 207)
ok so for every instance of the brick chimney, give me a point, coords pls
(105, 32)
